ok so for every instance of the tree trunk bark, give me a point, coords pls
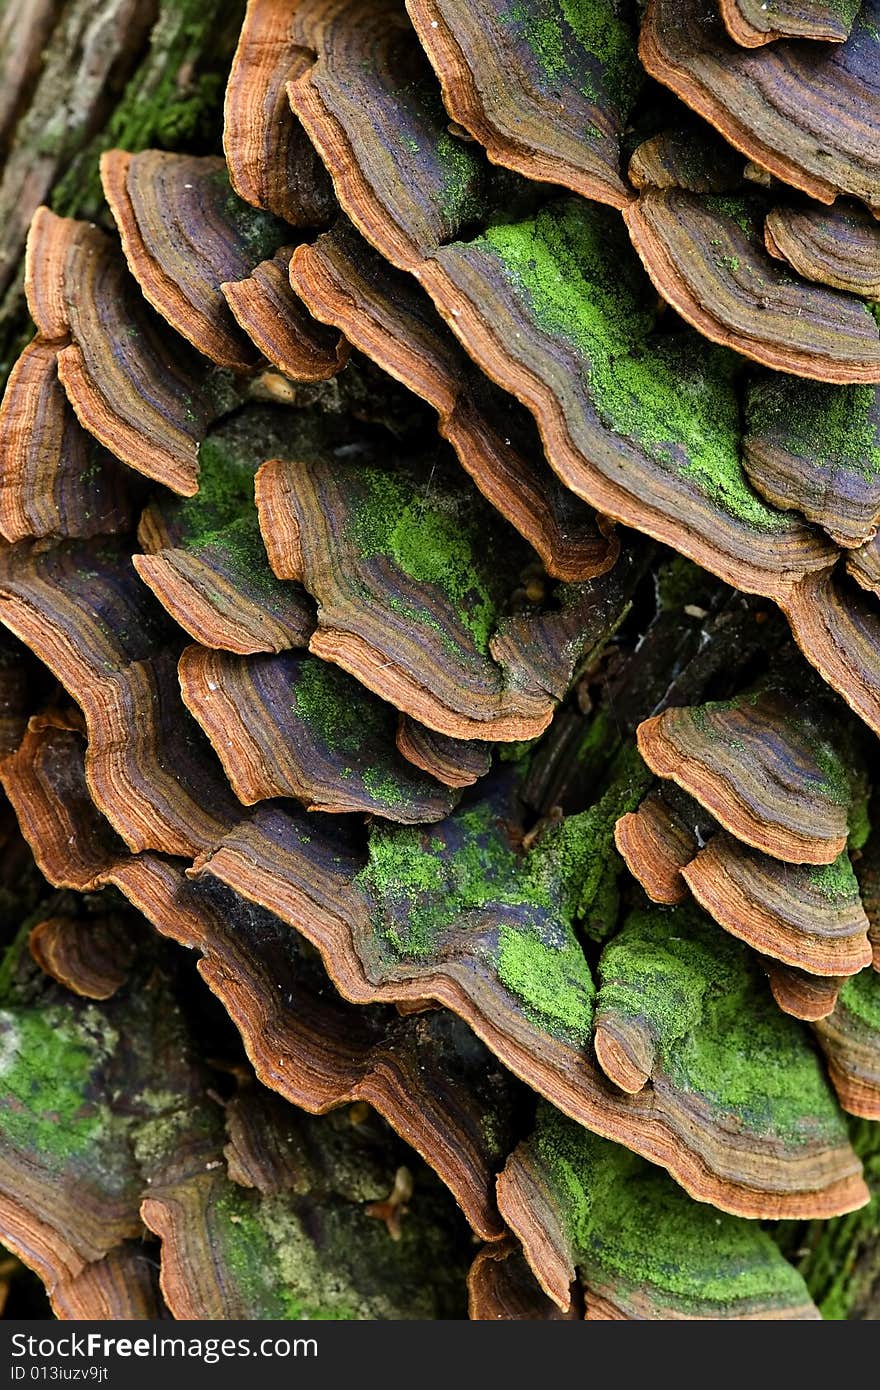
(78, 77)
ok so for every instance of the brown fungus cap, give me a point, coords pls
(83, 611)
(270, 160)
(208, 593)
(753, 23)
(527, 83)
(808, 916)
(289, 725)
(808, 997)
(769, 103)
(849, 1038)
(837, 246)
(502, 1288)
(183, 233)
(56, 480)
(837, 627)
(454, 762)
(131, 385)
(816, 448)
(656, 844)
(387, 317)
(278, 323)
(600, 1256)
(375, 545)
(770, 775)
(90, 957)
(863, 564)
(707, 258)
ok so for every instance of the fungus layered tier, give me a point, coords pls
(439, 573)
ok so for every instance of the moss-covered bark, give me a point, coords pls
(120, 73)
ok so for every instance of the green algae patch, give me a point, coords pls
(574, 858)
(422, 881)
(718, 1032)
(47, 1064)
(555, 985)
(822, 424)
(464, 888)
(172, 101)
(583, 42)
(836, 881)
(356, 730)
(438, 536)
(633, 1234)
(860, 996)
(271, 1261)
(675, 396)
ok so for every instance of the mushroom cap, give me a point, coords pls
(776, 779)
(769, 103)
(140, 393)
(184, 233)
(528, 81)
(271, 163)
(387, 317)
(753, 23)
(410, 574)
(808, 916)
(816, 447)
(849, 1039)
(838, 246)
(706, 256)
(278, 323)
(56, 480)
(81, 608)
(578, 1203)
(290, 725)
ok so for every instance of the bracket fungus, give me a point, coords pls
(756, 22)
(770, 102)
(768, 771)
(147, 408)
(401, 851)
(581, 1207)
(527, 80)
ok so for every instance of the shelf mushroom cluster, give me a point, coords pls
(331, 481)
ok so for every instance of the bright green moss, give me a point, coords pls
(825, 425)
(438, 538)
(585, 42)
(572, 858)
(336, 707)
(861, 996)
(47, 1061)
(461, 179)
(554, 983)
(676, 396)
(631, 1226)
(837, 773)
(420, 883)
(174, 99)
(346, 718)
(255, 1250)
(836, 882)
(717, 1028)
